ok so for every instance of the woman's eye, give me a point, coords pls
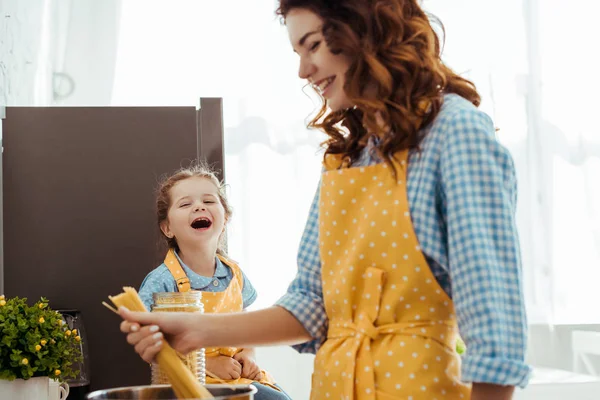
(315, 45)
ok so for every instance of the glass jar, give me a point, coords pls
(79, 386)
(190, 301)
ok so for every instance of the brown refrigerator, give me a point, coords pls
(77, 209)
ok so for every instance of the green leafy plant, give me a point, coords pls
(36, 341)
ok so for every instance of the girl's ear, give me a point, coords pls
(164, 227)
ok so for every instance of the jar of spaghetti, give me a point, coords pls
(190, 301)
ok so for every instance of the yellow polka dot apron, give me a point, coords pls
(229, 300)
(392, 330)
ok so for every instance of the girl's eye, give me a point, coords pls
(184, 205)
(209, 202)
(315, 45)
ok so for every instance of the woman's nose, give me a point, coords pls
(306, 70)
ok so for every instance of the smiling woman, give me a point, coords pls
(411, 233)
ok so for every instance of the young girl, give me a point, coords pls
(192, 214)
(411, 237)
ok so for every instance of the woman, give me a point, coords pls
(411, 236)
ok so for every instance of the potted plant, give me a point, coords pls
(35, 346)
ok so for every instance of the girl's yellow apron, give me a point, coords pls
(392, 329)
(227, 301)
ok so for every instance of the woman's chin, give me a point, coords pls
(338, 104)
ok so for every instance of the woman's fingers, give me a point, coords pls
(148, 353)
(141, 334)
(127, 327)
(142, 318)
(146, 342)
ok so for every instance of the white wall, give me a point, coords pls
(292, 371)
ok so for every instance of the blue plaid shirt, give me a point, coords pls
(462, 197)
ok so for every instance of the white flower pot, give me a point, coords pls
(20, 389)
(58, 390)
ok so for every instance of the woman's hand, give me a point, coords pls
(488, 391)
(250, 369)
(224, 367)
(190, 331)
(145, 331)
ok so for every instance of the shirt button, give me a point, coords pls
(215, 282)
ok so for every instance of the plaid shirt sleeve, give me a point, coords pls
(304, 298)
(478, 185)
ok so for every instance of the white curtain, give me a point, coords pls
(569, 139)
(57, 52)
(24, 33)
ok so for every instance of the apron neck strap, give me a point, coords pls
(174, 266)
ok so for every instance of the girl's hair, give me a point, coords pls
(396, 72)
(163, 198)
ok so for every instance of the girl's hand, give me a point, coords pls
(224, 367)
(250, 369)
(145, 331)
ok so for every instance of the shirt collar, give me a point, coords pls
(221, 271)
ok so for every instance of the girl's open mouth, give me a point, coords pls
(201, 223)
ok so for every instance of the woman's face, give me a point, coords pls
(324, 70)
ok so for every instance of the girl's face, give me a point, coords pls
(324, 70)
(196, 215)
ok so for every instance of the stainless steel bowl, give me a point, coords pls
(164, 392)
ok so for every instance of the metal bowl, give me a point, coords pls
(164, 392)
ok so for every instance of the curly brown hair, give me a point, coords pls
(163, 198)
(396, 73)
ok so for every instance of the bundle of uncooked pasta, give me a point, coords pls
(182, 380)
